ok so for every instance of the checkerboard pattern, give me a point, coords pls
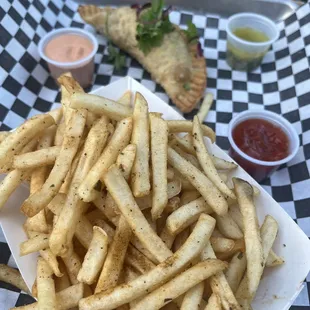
(281, 85)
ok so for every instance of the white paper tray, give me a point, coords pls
(279, 286)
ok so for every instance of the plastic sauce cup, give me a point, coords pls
(259, 169)
(82, 69)
(245, 55)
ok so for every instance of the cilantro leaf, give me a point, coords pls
(116, 57)
(153, 25)
(191, 32)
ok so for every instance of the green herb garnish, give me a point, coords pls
(116, 57)
(191, 32)
(187, 86)
(153, 24)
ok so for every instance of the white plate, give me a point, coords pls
(279, 286)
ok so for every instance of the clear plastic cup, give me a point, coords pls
(245, 55)
(83, 69)
(259, 169)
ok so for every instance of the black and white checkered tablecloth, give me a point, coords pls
(281, 84)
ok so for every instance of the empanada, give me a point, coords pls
(177, 65)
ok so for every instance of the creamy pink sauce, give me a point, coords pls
(68, 48)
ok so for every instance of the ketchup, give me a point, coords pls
(261, 139)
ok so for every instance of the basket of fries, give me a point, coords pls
(114, 201)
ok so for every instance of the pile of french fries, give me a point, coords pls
(128, 214)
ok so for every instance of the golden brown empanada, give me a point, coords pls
(174, 64)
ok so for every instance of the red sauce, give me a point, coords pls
(261, 139)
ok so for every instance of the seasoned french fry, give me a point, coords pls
(206, 188)
(136, 288)
(236, 270)
(121, 193)
(59, 136)
(174, 188)
(37, 223)
(170, 174)
(254, 252)
(49, 190)
(118, 142)
(172, 205)
(84, 231)
(186, 215)
(56, 114)
(222, 244)
(57, 203)
(126, 98)
(13, 277)
(114, 262)
(188, 196)
(238, 247)
(100, 106)
(206, 162)
(228, 227)
(63, 282)
(214, 303)
(36, 243)
(205, 107)
(94, 257)
(219, 284)
(189, 157)
(167, 237)
(66, 299)
(187, 126)
(184, 143)
(42, 157)
(4, 135)
(15, 142)
(46, 286)
(180, 239)
(222, 164)
(274, 260)
(140, 176)
(180, 284)
(192, 298)
(159, 146)
(51, 259)
(73, 265)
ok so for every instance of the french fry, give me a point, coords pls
(159, 145)
(113, 264)
(13, 277)
(66, 299)
(219, 284)
(59, 136)
(73, 265)
(192, 298)
(38, 242)
(94, 257)
(236, 270)
(174, 188)
(187, 126)
(126, 99)
(136, 288)
(37, 201)
(84, 231)
(118, 142)
(274, 260)
(140, 176)
(56, 114)
(138, 261)
(205, 160)
(268, 233)
(173, 204)
(51, 259)
(34, 289)
(228, 227)
(184, 143)
(46, 286)
(15, 142)
(238, 247)
(180, 284)
(205, 107)
(37, 223)
(189, 157)
(170, 174)
(120, 191)
(167, 237)
(57, 203)
(180, 239)
(254, 251)
(222, 164)
(214, 303)
(39, 158)
(188, 196)
(63, 282)
(186, 215)
(222, 245)
(3, 135)
(100, 106)
(206, 188)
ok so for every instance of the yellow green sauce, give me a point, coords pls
(241, 60)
